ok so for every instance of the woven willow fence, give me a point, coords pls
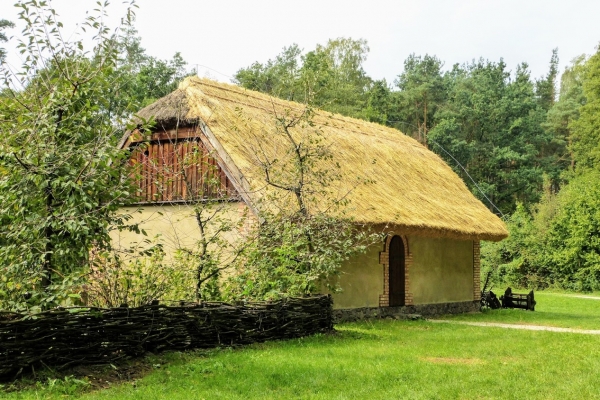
(69, 336)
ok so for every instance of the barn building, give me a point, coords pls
(429, 259)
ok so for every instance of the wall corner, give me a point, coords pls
(476, 270)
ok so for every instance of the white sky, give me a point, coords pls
(225, 35)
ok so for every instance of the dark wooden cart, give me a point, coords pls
(518, 300)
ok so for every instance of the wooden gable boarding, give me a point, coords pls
(175, 166)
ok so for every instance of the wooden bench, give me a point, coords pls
(518, 300)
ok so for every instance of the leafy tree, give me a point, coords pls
(142, 78)
(513, 260)
(491, 125)
(555, 243)
(558, 121)
(279, 77)
(63, 181)
(545, 88)
(422, 91)
(303, 236)
(347, 82)
(330, 77)
(585, 134)
(381, 106)
(573, 240)
(4, 24)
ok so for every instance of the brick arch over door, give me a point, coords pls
(384, 260)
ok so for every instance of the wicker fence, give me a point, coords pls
(69, 336)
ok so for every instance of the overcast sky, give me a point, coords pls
(221, 36)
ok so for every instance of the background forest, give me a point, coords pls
(527, 147)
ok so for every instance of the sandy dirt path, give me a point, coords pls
(518, 326)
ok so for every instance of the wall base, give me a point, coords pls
(406, 312)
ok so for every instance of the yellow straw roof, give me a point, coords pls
(407, 186)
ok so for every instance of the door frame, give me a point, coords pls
(384, 260)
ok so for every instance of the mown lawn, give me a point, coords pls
(389, 360)
(567, 310)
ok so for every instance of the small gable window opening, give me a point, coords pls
(177, 167)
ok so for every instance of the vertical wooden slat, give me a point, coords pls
(157, 172)
(165, 170)
(223, 183)
(163, 174)
(152, 164)
(160, 171)
(213, 178)
(185, 169)
(208, 177)
(203, 172)
(169, 167)
(194, 170)
(176, 172)
(190, 169)
(140, 174)
(147, 173)
(181, 169)
(144, 173)
(135, 169)
(203, 169)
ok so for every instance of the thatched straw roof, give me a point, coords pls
(411, 189)
(170, 110)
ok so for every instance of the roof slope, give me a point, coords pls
(411, 187)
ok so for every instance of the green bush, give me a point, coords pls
(557, 244)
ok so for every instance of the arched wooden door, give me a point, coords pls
(396, 273)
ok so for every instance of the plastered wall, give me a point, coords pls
(174, 226)
(361, 279)
(442, 270)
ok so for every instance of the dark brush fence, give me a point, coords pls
(68, 336)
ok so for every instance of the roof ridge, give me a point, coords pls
(320, 112)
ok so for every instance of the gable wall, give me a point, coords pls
(175, 165)
(174, 227)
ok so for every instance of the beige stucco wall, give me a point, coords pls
(174, 226)
(442, 270)
(361, 280)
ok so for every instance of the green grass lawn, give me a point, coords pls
(389, 360)
(567, 310)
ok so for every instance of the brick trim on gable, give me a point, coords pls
(384, 260)
(476, 270)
